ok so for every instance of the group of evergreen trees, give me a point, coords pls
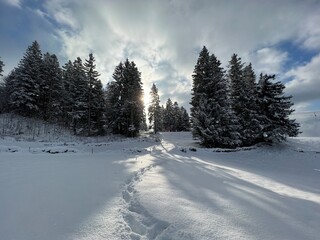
(230, 109)
(73, 95)
(171, 118)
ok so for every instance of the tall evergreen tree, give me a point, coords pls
(168, 116)
(96, 102)
(176, 117)
(214, 122)
(8, 89)
(50, 88)
(24, 99)
(68, 97)
(154, 110)
(184, 121)
(79, 85)
(2, 89)
(244, 100)
(162, 114)
(201, 74)
(127, 117)
(275, 108)
(1, 67)
(113, 106)
(250, 118)
(235, 75)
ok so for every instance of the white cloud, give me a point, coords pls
(269, 60)
(310, 31)
(151, 32)
(14, 3)
(305, 86)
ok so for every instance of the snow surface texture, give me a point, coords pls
(168, 189)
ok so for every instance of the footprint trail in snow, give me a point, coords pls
(138, 223)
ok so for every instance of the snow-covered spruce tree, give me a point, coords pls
(244, 100)
(162, 113)
(68, 93)
(214, 122)
(250, 118)
(154, 110)
(79, 97)
(2, 97)
(168, 116)
(176, 116)
(50, 88)
(201, 74)
(2, 89)
(112, 106)
(127, 117)
(184, 121)
(24, 99)
(1, 67)
(96, 100)
(275, 108)
(8, 88)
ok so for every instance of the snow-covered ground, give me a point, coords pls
(168, 189)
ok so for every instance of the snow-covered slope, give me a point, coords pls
(146, 189)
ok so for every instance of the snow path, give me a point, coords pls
(139, 223)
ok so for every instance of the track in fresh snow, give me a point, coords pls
(138, 222)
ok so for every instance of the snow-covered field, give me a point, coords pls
(147, 189)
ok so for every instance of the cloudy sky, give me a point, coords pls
(164, 37)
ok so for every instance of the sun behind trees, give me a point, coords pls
(231, 109)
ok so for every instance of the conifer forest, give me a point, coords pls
(230, 107)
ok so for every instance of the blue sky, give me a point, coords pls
(164, 38)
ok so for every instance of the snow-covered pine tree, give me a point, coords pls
(176, 117)
(127, 96)
(2, 89)
(154, 110)
(237, 90)
(2, 97)
(244, 100)
(162, 113)
(168, 117)
(96, 100)
(251, 118)
(112, 106)
(275, 108)
(51, 88)
(79, 85)
(214, 122)
(184, 122)
(24, 99)
(8, 88)
(1, 67)
(201, 75)
(68, 93)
